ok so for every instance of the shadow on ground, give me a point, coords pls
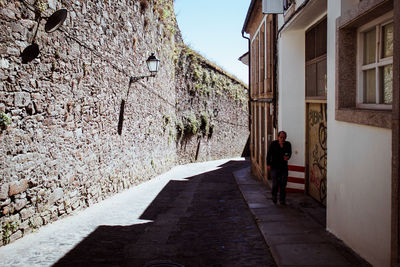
(202, 221)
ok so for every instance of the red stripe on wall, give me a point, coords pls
(296, 180)
(294, 190)
(296, 168)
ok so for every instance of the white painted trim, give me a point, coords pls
(266, 131)
(296, 174)
(259, 129)
(258, 28)
(295, 186)
(378, 23)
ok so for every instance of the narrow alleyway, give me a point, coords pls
(193, 215)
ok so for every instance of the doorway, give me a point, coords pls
(316, 115)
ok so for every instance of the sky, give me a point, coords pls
(213, 28)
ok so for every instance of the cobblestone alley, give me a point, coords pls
(193, 215)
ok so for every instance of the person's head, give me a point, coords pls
(282, 136)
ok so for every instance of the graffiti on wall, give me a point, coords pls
(317, 151)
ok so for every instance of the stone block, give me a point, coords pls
(19, 204)
(27, 213)
(13, 51)
(22, 99)
(56, 195)
(4, 63)
(38, 221)
(6, 202)
(17, 187)
(6, 210)
(4, 191)
(52, 4)
(15, 236)
(24, 225)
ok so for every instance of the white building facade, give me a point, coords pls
(359, 152)
(337, 97)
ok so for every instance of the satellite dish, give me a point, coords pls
(56, 20)
(30, 53)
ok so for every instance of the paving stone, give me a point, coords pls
(308, 254)
(296, 232)
(203, 221)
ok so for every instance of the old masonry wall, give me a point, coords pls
(59, 146)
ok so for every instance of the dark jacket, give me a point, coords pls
(275, 155)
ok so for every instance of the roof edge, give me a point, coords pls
(249, 11)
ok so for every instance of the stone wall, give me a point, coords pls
(59, 146)
(212, 114)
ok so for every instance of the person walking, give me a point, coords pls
(279, 153)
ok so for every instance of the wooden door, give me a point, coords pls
(316, 150)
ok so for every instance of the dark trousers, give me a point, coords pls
(279, 181)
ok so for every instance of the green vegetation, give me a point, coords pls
(41, 5)
(179, 129)
(32, 225)
(191, 123)
(207, 78)
(5, 120)
(204, 126)
(7, 230)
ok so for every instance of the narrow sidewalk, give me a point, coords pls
(295, 233)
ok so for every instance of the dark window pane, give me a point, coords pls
(321, 77)
(311, 78)
(320, 39)
(369, 86)
(310, 44)
(370, 47)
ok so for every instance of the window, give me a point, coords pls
(316, 60)
(375, 63)
(364, 72)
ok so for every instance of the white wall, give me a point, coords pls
(291, 119)
(358, 175)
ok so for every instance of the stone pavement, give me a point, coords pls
(201, 214)
(295, 233)
(193, 215)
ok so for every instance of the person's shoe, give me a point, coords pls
(283, 202)
(274, 200)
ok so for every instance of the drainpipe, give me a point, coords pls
(395, 236)
(249, 102)
(275, 84)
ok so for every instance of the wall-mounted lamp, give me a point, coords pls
(153, 64)
(53, 23)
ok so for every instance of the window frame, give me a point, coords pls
(380, 61)
(287, 4)
(346, 65)
(316, 59)
(288, 9)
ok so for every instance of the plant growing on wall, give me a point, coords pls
(41, 5)
(7, 230)
(204, 126)
(5, 120)
(191, 123)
